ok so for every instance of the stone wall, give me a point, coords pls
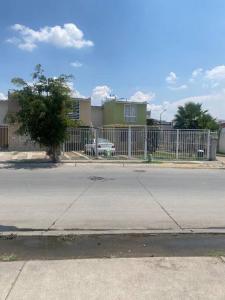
(20, 143)
(3, 110)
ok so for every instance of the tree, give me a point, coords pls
(44, 106)
(192, 116)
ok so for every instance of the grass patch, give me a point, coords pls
(220, 154)
(10, 257)
(217, 253)
(152, 162)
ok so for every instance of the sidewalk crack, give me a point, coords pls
(158, 203)
(222, 259)
(15, 280)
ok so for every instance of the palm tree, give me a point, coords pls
(192, 116)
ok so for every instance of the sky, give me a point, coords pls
(165, 52)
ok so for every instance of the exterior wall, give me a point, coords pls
(13, 106)
(20, 143)
(109, 111)
(85, 111)
(114, 113)
(141, 114)
(3, 110)
(97, 116)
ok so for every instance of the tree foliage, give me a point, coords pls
(44, 106)
(192, 116)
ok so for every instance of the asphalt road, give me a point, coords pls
(101, 197)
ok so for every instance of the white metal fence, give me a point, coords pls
(143, 143)
(221, 144)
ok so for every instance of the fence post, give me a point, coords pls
(145, 145)
(177, 144)
(96, 142)
(208, 145)
(129, 142)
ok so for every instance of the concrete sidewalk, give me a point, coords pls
(72, 157)
(22, 156)
(110, 279)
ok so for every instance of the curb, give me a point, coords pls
(156, 164)
(119, 232)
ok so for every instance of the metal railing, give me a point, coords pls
(128, 143)
(145, 143)
(221, 143)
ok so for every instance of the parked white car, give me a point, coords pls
(104, 147)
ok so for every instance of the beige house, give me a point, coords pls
(81, 111)
(97, 116)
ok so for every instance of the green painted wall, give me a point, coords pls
(108, 112)
(113, 114)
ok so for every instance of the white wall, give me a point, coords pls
(3, 110)
(222, 141)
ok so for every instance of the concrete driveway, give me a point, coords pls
(111, 197)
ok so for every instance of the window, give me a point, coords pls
(75, 113)
(130, 111)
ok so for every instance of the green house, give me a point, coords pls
(118, 112)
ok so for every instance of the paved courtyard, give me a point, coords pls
(111, 197)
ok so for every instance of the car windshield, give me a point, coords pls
(100, 140)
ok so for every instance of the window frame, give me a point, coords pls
(75, 113)
(130, 115)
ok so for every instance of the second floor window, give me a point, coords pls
(75, 113)
(130, 113)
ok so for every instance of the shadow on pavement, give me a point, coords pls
(5, 228)
(29, 165)
(107, 246)
(10, 228)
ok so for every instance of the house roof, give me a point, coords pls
(124, 101)
(82, 99)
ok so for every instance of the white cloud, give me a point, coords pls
(216, 74)
(139, 96)
(209, 79)
(214, 103)
(66, 36)
(3, 96)
(77, 94)
(171, 78)
(74, 92)
(100, 93)
(197, 72)
(172, 81)
(76, 64)
(177, 88)
(154, 107)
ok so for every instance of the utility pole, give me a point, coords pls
(160, 118)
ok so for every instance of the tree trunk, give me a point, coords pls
(54, 153)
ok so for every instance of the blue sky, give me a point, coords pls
(164, 52)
